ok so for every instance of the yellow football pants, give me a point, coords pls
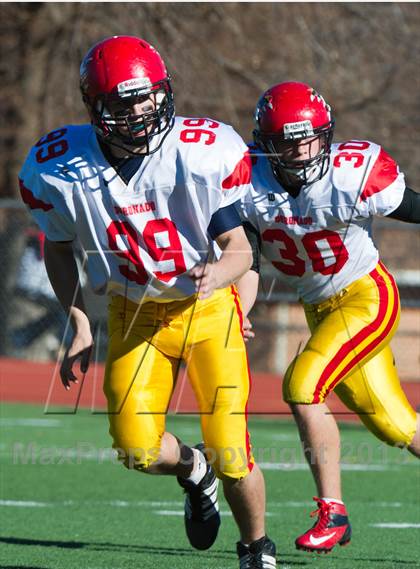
(349, 352)
(147, 343)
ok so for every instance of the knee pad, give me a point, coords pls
(136, 454)
(391, 433)
(136, 438)
(230, 463)
(135, 457)
(234, 476)
(296, 388)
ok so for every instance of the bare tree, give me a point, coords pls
(362, 57)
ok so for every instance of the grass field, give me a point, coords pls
(66, 503)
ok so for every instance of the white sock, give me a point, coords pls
(199, 468)
(328, 500)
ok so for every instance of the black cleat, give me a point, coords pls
(260, 554)
(202, 518)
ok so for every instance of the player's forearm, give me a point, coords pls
(247, 287)
(64, 277)
(231, 267)
(236, 258)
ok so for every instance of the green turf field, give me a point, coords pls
(72, 506)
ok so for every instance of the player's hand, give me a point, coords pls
(247, 330)
(205, 279)
(79, 349)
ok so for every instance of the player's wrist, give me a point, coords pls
(79, 321)
(220, 276)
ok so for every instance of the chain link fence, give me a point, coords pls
(35, 328)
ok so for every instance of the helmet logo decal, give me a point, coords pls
(125, 87)
(320, 99)
(302, 129)
(268, 102)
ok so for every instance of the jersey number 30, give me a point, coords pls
(293, 265)
(170, 249)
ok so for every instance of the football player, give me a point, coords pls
(150, 197)
(309, 212)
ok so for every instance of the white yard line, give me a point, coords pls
(344, 466)
(181, 513)
(387, 504)
(168, 512)
(114, 504)
(149, 503)
(165, 504)
(23, 504)
(395, 525)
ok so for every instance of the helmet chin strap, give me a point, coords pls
(288, 179)
(113, 142)
(143, 145)
(308, 175)
(293, 179)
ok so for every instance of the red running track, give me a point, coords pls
(28, 382)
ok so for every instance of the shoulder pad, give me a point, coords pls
(58, 147)
(363, 167)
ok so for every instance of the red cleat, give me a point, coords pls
(332, 527)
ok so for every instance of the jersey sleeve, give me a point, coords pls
(44, 196)
(224, 219)
(366, 180)
(237, 175)
(247, 208)
(231, 166)
(384, 187)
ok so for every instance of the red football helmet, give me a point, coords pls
(120, 72)
(290, 112)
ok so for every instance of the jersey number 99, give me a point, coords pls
(134, 269)
(50, 146)
(198, 134)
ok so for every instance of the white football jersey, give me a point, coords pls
(321, 241)
(140, 237)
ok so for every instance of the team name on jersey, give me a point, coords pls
(135, 208)
(293, 220)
